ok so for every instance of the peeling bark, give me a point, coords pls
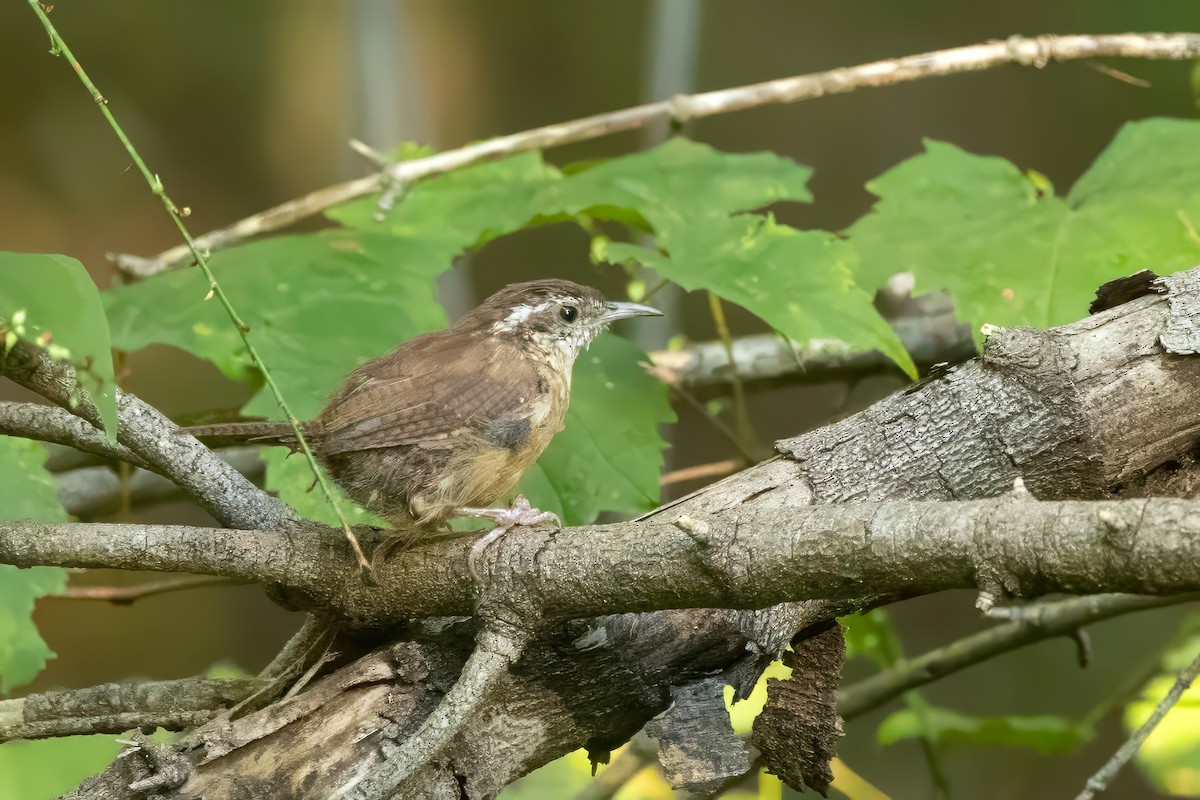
(799, 727)
(697, 748)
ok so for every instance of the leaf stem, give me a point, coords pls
(59, 47)
(745, 431)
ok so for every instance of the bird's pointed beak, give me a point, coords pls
(616, 311)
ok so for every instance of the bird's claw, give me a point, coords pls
(519, 512)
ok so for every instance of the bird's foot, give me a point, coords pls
(520, 512)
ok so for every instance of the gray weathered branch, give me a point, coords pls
(926, 326)
(59, 426)
(149, 435)
(92, 491)
(119, 707)
(1025, 51)
(900, 548)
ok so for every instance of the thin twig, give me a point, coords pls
(1025, 51)
(1099, 781)
(315, 634)
(57, 425)
(714, 470)
(1060, 618)
(307, 646)
(125, 595)
(59, 46)
(1123, 77)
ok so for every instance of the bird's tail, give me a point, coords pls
(267, 433)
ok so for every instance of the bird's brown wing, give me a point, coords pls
(429, 392)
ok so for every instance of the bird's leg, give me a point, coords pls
(519, 512)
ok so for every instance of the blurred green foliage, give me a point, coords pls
(27, 491)
(1045, 733)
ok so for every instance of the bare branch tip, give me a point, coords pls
(1018, 491)
(690, 525)
(1083, 647)
(985, 601)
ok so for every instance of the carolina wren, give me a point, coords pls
(446, 424)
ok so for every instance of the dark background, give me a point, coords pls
(241, 105)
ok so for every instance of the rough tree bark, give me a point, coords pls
(1100, 409)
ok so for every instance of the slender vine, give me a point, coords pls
(58, 47)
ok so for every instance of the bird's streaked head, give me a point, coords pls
(552, 314)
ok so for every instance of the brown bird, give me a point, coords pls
(446, 424)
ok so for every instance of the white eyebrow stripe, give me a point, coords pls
(520, 314)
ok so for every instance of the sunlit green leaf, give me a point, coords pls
(27, 491)
(1047, 734)
(317, 306)
(445, 215)
(56, 304)
(1011, 255)
(801, 283)
(753, 261)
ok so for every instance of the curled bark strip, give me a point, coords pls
(697, 748)
(798, 729)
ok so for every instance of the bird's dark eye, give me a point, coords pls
(568, 313)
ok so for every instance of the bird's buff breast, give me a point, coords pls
(485, 473)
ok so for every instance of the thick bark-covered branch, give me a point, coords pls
(1003, 546)
(1025, 51)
